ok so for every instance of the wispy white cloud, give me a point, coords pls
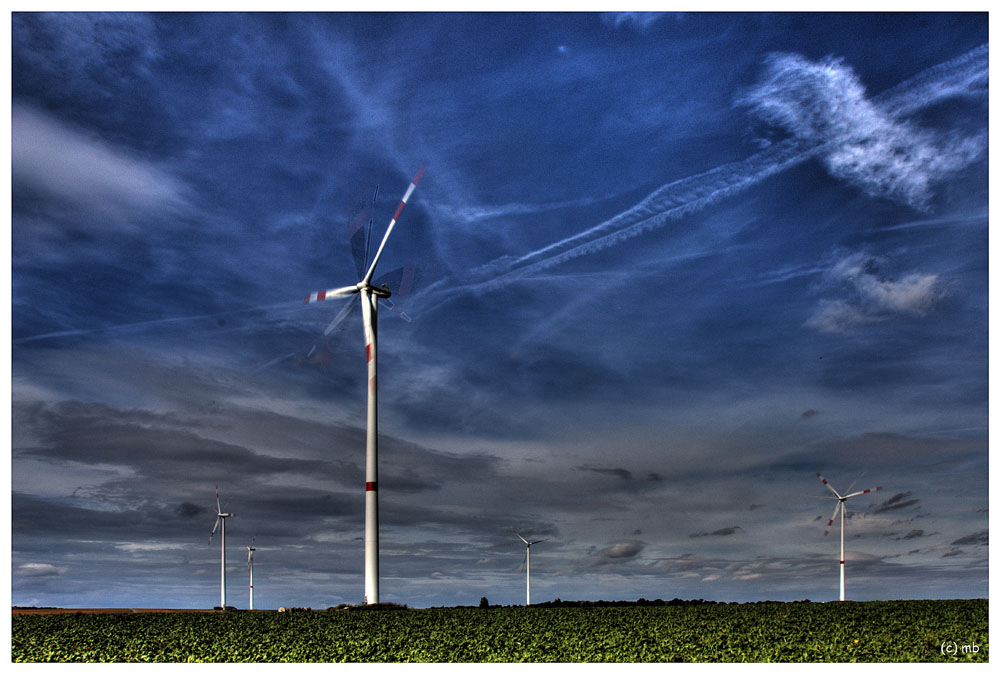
(872, 297)
(85, 171)
(475, 213)
(825, 102)
(38, 569)
(148, 546)
(639, 21)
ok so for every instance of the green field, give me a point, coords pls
(891, 631)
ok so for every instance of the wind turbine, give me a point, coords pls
(250, 549)
(370, 295)
(221, 517)
(842, 507)
(526, 565)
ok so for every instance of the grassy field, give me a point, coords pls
(893, 631)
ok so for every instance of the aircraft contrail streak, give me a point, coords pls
(143, 324)
(968, 73)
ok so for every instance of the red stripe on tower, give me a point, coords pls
(368, 351)
(841, 561)
(371, 486)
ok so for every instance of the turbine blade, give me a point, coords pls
(864, 491)
(540, 541)
(358, 234)
(392, 307)
(401, 280)
(832, 518)
(321, 295)
(524, 561)
(218, 507)
(340, 317)
(522, 538)
(392, 223)
(823, 479)
(855, 481)
(212, 535)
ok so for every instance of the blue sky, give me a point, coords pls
(668, 267)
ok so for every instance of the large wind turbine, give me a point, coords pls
(250, 550)
(842, 507)
(370, 295)
(221, 517)
(526, 565)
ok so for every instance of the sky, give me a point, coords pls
(661, 270)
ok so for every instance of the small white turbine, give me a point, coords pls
(526, 565)
(842, 507)
(221, 517)
(250, 549)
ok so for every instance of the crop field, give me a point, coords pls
(892, 631)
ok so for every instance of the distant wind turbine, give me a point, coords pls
(370, 294)
(221, 517)
(842, 507)
(250, 550)
(526, 565)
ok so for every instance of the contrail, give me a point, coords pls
(966, 74)
(143, 324)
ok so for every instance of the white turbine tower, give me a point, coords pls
(221, 517)
(250, 549)
(526, 565)
(370, 295)
(842, 507)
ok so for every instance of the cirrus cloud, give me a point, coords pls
(864, 144)
(50, 157)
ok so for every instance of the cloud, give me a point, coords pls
(148, 547)
(809, 414)
(792, 102)
(915, 533)
(619, 552)
(978, 538)
(728, 531)
(38, 569)
(82, 170)
(616, 472)
(873, 298)
(188, 509)
(824, 102)
(638, 21)
(474, 213)
(897, 502)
